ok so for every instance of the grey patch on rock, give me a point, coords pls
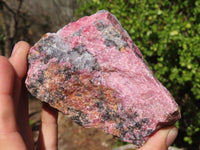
(113, 37)
(109, 43)
(100, 25)
(78, 116)
(78, 33)
(100, 106)
(82, 59)
(55, 47)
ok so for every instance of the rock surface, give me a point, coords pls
(134, 147)
(92, 71)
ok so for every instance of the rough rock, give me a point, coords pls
(92, 71)
(134, 147)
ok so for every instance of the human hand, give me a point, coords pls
(15, 132)
(161, 140)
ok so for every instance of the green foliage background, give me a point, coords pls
(168, 34)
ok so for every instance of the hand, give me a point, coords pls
(161, 140)
(15, 132)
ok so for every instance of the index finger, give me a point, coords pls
(18, 58)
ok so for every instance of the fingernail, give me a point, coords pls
(20, 47)
(173, 132)
(15, 49)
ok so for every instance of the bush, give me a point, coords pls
(168, 34)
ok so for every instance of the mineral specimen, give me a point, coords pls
(92, 71)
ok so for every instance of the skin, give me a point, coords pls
(15, 132)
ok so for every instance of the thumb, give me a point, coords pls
(162, 139)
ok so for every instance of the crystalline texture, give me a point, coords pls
(92, 71)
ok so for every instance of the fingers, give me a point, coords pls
(19, 58)
(161, 140)
(6, 76)
(171, 136)
(48, 130)
(7, 110)
(12, 72)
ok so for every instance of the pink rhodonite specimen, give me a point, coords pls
(91, 71)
